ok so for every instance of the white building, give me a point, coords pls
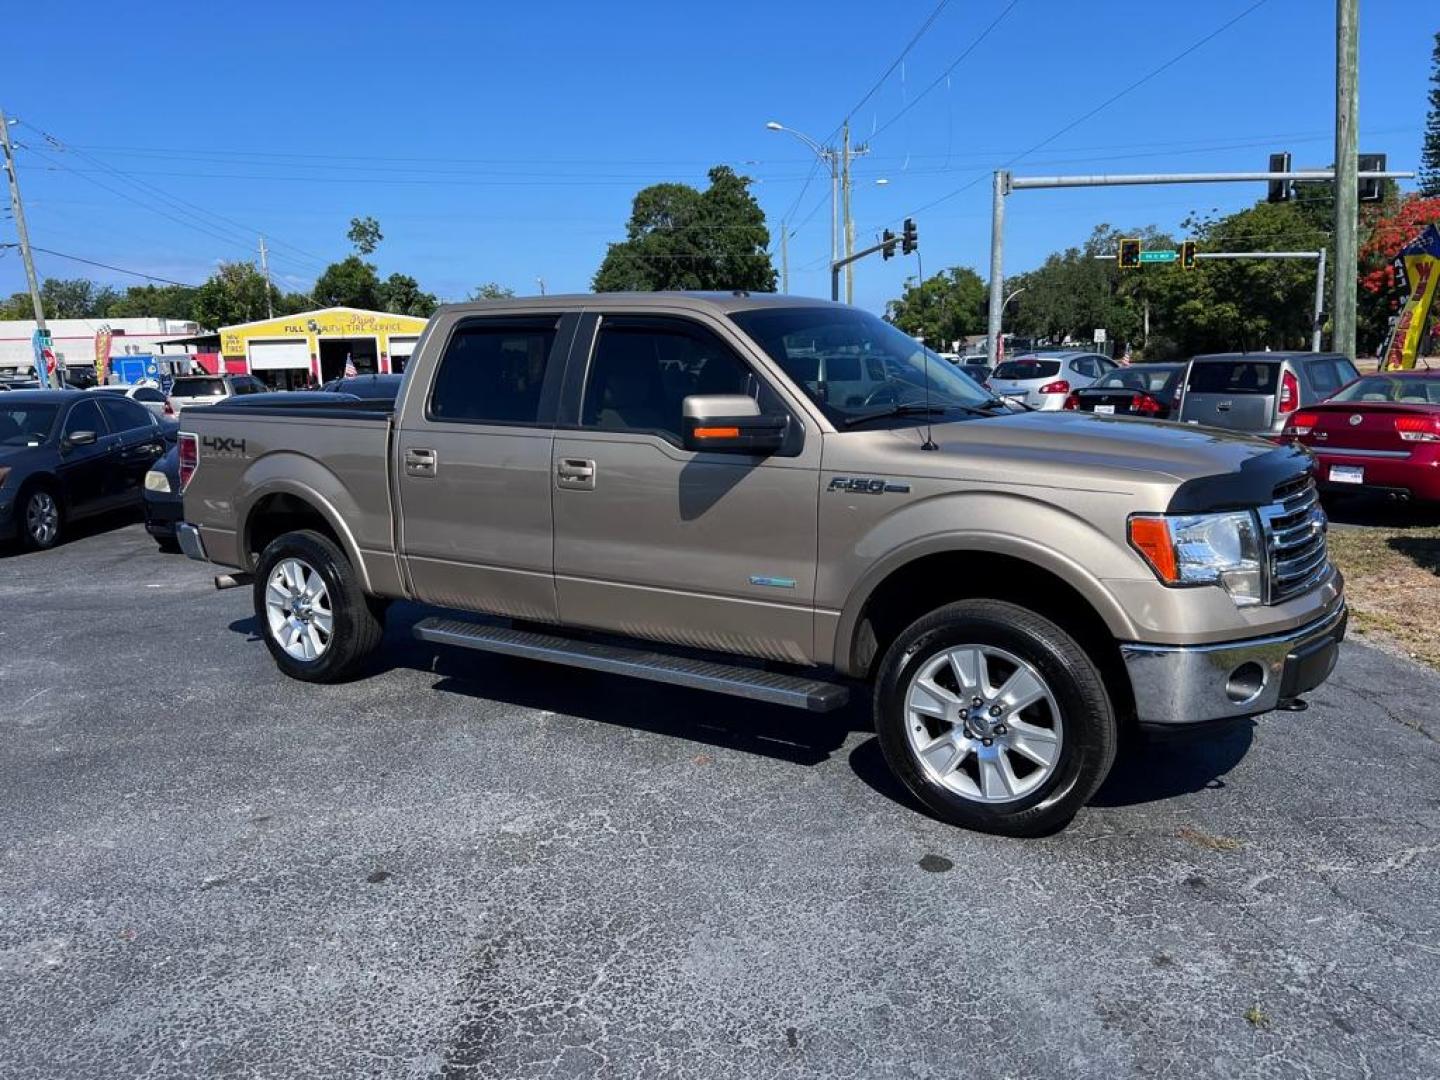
(75, 340)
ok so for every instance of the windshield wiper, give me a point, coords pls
(907, 409)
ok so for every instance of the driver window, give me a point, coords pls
(85, 416)
(642, 372)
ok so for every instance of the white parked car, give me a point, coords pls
(190, 390)
(1043, 380)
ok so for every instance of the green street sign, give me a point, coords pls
(1159, 256)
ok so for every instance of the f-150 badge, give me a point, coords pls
(866, 485)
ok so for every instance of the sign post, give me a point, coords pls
(45, 364)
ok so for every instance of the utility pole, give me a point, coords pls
(541, 282)
(849, 221)
(785, 257)
(20, 228)
(1347, 40)
(265, 269)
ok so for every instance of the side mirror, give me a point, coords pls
(80, 438)
(731, 422)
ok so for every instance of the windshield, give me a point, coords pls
(852, 363)
(25, 425)
(1416, 391)
(1027, 369)
(198, 388)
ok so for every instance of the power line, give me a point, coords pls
(949, 70)
(1100, 107)
(104, 266)
(924, 28)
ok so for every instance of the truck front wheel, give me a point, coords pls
(995, 718)
(317, 622)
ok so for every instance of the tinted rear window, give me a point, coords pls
(1412, 389)
(1027, 369)
(198, 388)
(1233, 377)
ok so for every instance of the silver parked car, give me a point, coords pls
(1043, 380)
(1256, 392)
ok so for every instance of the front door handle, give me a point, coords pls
(419, 462)
(576, 474)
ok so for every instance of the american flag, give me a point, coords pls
(350, 371)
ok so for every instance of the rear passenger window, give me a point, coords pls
(643, 370)
(1233, 377)
(492, 373)
(125, 415)
(1323, 376)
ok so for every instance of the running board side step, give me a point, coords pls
(813, 695)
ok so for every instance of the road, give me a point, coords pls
(475, 867)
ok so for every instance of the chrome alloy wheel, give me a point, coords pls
(297, 608)
(42, 518)
(983, 723)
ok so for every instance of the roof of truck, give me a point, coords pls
(721, 302)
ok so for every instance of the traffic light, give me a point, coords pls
(909, 237)
(1280, 190)
(1372, 190)
(1187, 255)
(887, 238)
(1129, 254)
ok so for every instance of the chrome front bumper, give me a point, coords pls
(1177, 685)
(190, 542)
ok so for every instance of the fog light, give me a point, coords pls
(1245, 683)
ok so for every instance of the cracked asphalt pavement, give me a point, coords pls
(464, 866)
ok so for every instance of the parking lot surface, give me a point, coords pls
(464, 866)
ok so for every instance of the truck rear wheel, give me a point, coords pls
(317, 622)
(995, 718)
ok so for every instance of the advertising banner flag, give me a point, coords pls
(102, 353)
(1421, 261)
(45, 363)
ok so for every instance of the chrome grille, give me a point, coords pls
(1294, 529)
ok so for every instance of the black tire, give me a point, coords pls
(168, 545)
(29, 539)
(1087, 748)
(356, 625)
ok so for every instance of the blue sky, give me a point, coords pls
(505, 141)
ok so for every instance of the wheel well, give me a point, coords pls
(39, 480)
(275, 515)
(932, 581)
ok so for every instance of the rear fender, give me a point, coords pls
(304, 478)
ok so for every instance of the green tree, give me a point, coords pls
(401, 294)
(153, 301)
(491, 290)
(943, 308)
(681, 238)
(1430, 146)
(1242, 304)
(351, 282)
(73, 298)
(17, 306)
(235, 293)
(365, 234)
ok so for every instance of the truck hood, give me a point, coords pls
(1049, 446)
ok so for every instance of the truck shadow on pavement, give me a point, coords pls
(1144, 771)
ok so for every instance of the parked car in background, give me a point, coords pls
(191, 390)
(152, 397)
(1380, 434)
(19, 384)
(366, 387)
(1150, 390)
(67, 454)
(163, 507)
(1044, 380)
(1256, 392)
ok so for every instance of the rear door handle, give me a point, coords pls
(577, 474)
(419, 462)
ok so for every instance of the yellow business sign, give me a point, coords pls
(316, 326)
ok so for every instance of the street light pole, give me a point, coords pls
(838, 162)
(831, 159)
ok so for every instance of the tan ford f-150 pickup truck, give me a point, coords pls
(785, 500)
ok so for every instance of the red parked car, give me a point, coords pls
(1381, 433)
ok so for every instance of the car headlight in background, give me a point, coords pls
(155, 480)
(1204, 549)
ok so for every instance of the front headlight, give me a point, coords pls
(1204, 549)
(155, 480)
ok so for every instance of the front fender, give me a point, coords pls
(1075, 548)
